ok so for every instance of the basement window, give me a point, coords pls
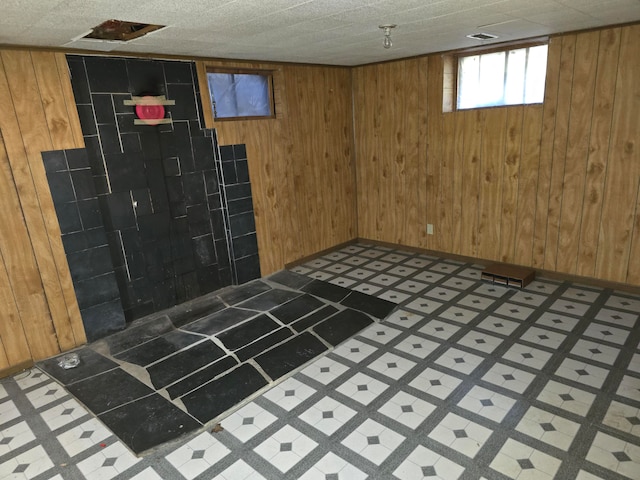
(506, 77)
(241, 94)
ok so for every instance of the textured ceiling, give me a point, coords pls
(339, 32)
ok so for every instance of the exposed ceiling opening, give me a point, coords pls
(482, 36)
(120, 30)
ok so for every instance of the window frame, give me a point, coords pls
(243, 71)
(451, 104)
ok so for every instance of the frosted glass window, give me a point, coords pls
(511, 77)
(240, 95)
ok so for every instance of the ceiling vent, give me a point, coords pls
(482, 36)
(121, 31)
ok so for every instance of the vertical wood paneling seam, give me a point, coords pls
(606, 173)
(476, 247)
(555, 119)
(564, 166)
(633, 229)
(586, 159)
(513, 253)
(354, 150)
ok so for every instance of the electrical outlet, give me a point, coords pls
(429, 229)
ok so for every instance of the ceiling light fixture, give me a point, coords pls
(386, 43)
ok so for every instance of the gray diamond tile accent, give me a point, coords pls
(6, 440)
(595, 351)
(480, 341)
(527, 355)
(498, 325)
(435, 383)
(428, 471)
(458, 360)
(566, 397)
(355, 350)
(543, 337)
(621, 456)
(606, 333)
(247, 421)
(324, 369)
(633, 420)
(331, 476)
(286, 447)
(327, 414)
(373, 440)
(508, 377)
(582, 372)
(362, 388)
(486, 402)
(86, 434)
(111, 461)
(289, 393)
(525, 464)
(439, 329)
(67, 411)
(392, 365)
(417, 345)
(51, 392)
(406, 408)
(460, 434)
(21, 468)
(547, 427)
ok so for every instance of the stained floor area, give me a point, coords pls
(463, 379)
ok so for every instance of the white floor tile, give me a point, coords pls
(240, 471)
(629, 303)
(333, 467)
(424, 463)
(549, 428)
(423, 305)
(14, 437)
(108, 463)
(285, 448)
(147, 474)
(514, 311)
(327, 415)
(373, 441)
(477, 302)
(404, 318)
(480, 341)
(354, 350)
(367, 288)
(556, 320)
(411, 286)
(543, 337)
(498, 325)
(46, 394)
(529, 356)
(8, 411)
(606, 333)
(86, 435)
(394, 296)
(428, 277)
(247, 422)
(582, 372)
(460, 434)
(528, 298)
(569, 307)
(33, 377)
(459, 315)
(439, 329)
(391, 366)
(362, 388)
(27, 465)
(325, 370)
(197, 455)
(380, 333)
(595, 351)
(64, 413)
(407, 409)
(509, 377)
(436, 383)
(442, 294)
(616, 455)
(623, 417)
(289, 393)
(459, 360)
(568, 398)
(630, 388)
(417, 346)
(618, 318)
(487, 403)
(519, 461)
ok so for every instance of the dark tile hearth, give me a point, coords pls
(176, 370)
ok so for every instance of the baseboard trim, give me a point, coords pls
(8, 372)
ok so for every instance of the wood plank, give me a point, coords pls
(623, 170)
(21, 295)
(528, 184)
(604, 94)
(412, 152)
(577, 152)
(633, 271)
(458, 173)
(448, 176)
(47, 243)
(546, 150)
(51, 95)
(434, 149)
(560, 139)
(510, 184)
(421, 114)
(69, 100)
(491, 172)
(473, 127)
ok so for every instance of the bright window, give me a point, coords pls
(508, 77)
(240, 95)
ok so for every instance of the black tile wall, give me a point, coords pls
(85, 241)
(141, 208)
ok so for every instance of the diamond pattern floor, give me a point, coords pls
(464, 380)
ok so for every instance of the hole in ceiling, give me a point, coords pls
(120, 30)
(482, 36)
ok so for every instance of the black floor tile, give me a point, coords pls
(378, 307)
(219, 321)
(91, 363)
(326, 290)
(201, 377)
(247, 332)
(296, 308)
(244, 292)
(158, 348)
(183, 315)
(290, 279)
(290, 355)
(268, 300)
(156, 421)
(345, 324)
(108, 390)
(137, 334)
(263, 344)
(181, 364)
(216, 397)
(314, 318)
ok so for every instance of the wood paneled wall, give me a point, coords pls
(39, 311)
(553, 186)
(300, 163)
